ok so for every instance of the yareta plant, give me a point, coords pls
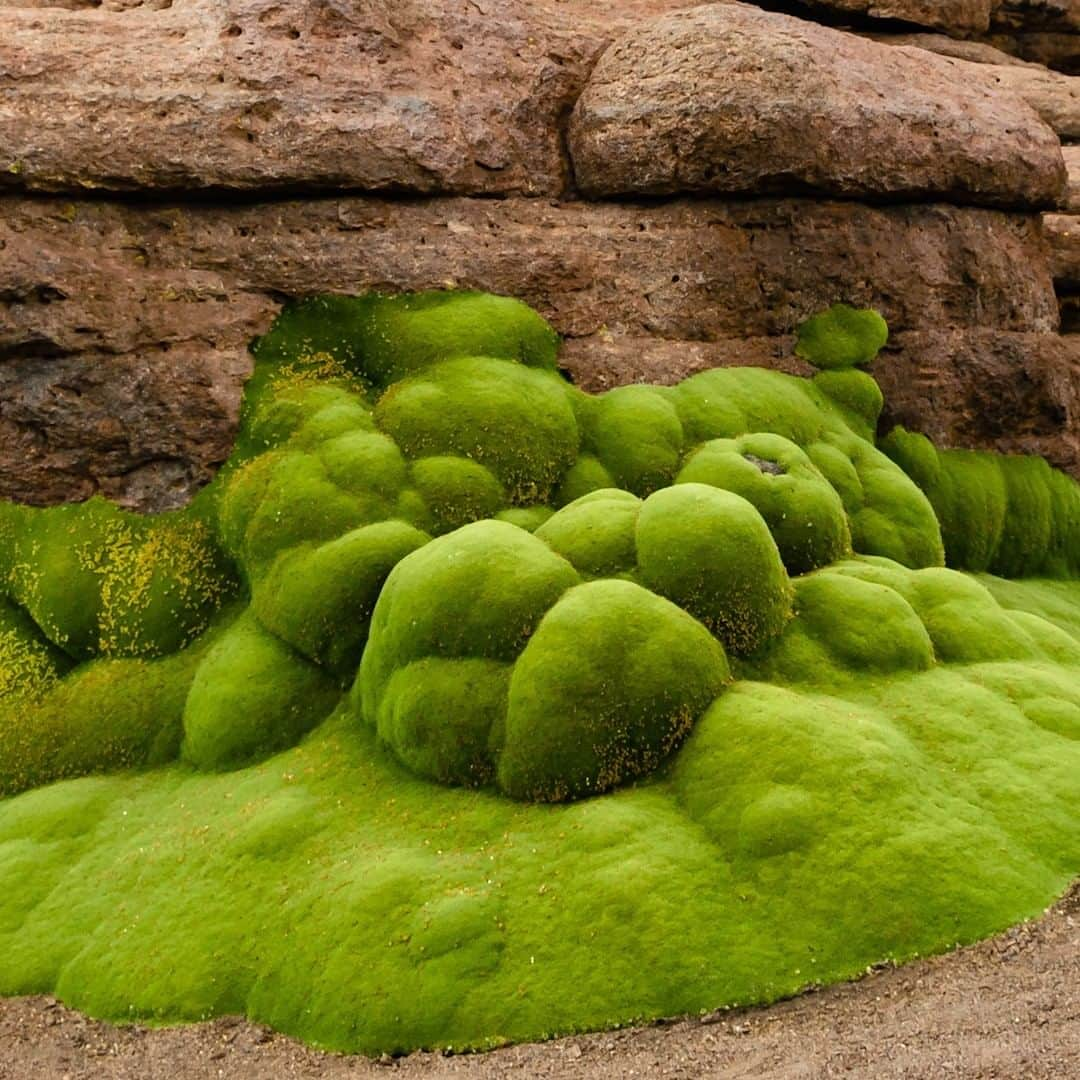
(464, 706)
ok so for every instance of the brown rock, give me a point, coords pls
(604, 360)
(1036, 14)
(1059, 51)
(1055, 97)
(728, 98)
(955, 16)
(123, 328)
(1070, 313)
(1072, 165)
(1016, 393)
(1063, 235)
(459, 96)
(146, 428)
(977, 52)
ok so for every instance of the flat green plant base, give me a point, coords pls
(335, 896)
(466, 708)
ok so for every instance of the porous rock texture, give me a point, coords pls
(957, 16)
(172, 172)
(259, 95)
(727, 98)
(1054, 96)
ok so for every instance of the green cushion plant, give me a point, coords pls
(465, 707)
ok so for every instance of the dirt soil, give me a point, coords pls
(1007, 1008)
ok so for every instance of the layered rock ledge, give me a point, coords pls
(171, 172)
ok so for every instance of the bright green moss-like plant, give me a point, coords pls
(464, 706)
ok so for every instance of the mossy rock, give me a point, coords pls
(596, 534)
(858, 396)
(893, 768)
(636, 434)
(320, 599)
(440, 717)
(586, 475)
(453, 491)
(1008, 515)
(101, 582)
(29, 663)
(477, 593)
(400, 335)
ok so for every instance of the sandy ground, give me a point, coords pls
(1006, 1008)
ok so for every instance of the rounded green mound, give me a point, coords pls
(514, 420)
(501, 709)
(596, 533)
(710, 552)
(1013, 516)
(841, 337)
(320, 599)
(251, 696)
(608, 686)
(467, 602)
(802, 509)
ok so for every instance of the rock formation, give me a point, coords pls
(172, 171)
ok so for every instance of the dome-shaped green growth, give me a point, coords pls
(440, 717)
(515, 421)
(585, 475)
(101, 582)
(29, 663)
(251, 696)
(280, 415)
(887, 514)
(596, 533)
(635, 433)
(455, 492)
(1009, 515)
(894, 770)
(529, 518)
(858, 396)
(841, 337)
(329, 326)
(364, 463)
(478, 592)
(58, 572)
(344, 417)
(862, 626)
(320, 599)
(400, 335)
(100, 717)
(964, 621)
(710, 552)
(287, 498)
(802, 509)
(610, 683)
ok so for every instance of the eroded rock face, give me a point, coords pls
(124, 329)
(1063, 235)
(1054, 96)
(458, 96)
(124, 326)
(729, 98)
(956, 16)
(1017, 393)
(1072, 163)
